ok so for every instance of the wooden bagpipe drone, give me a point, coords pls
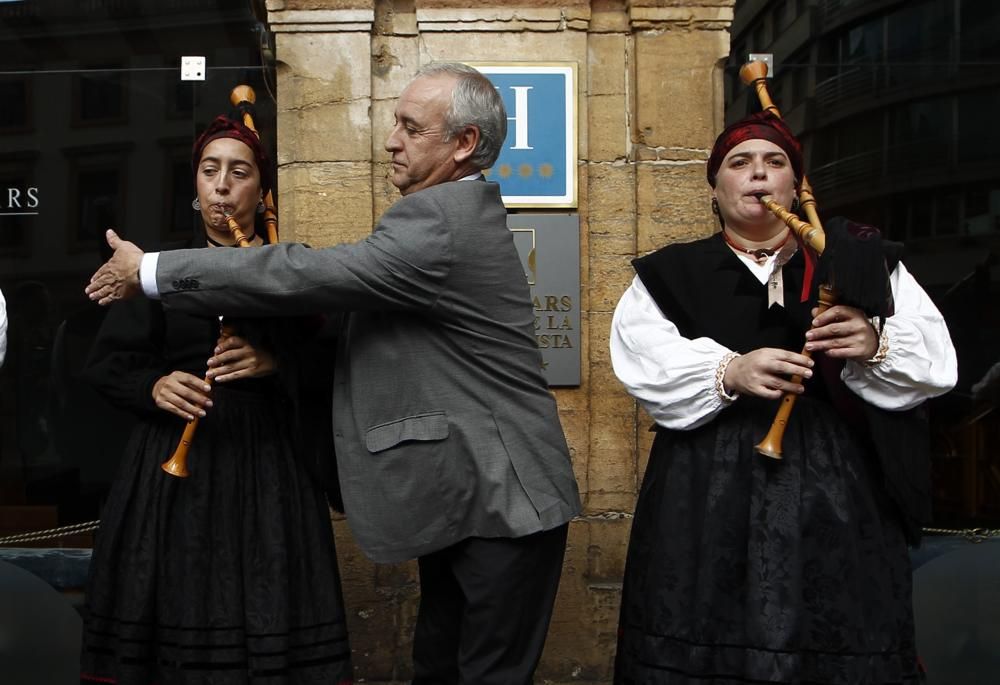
(850, 262)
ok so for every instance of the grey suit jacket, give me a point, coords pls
(444, 426)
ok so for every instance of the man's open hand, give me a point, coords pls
(118, 278)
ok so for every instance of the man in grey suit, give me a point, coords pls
(448, 442)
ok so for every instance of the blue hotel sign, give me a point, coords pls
(537, 167)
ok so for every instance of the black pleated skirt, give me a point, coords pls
(226, 577)
(744, 569)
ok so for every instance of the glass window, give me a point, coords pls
(920, 31)
(800, 79)
(779, 17)
(863, 43)
(99, 96)
(828, 59)
(921, 216)
(978, 30)
(978, 137)
(96, 129)
(920, 135)
(15, 115)
(921, 41)
(849, 154)
(760, 41)
(948, 212)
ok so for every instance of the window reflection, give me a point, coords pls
(99, 96)
(96, 130)
(15, 115)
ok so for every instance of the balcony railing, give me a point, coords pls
(937, 156)
(872, 81)
(846, 173)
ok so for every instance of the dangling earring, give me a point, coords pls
(715, 206)
(795, 204)
(260, 206)
(195, 205)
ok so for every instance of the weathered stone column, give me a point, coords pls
(324, 119)
(681, 48)
(650, 104)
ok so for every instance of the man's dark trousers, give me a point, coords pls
(485, 606)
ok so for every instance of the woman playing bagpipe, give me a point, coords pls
(744, 568)
(228, 575)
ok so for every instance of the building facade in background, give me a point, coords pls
(895, 102)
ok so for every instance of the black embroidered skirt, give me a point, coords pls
(744, 569)
(226, 577)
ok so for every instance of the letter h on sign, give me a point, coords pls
(537, 165)
(520, 118)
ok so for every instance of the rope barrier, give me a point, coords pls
(970, 534)
(51, 533)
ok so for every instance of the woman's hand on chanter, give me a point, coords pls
(765, 372)
(235, 358)
(844, 333)
(182, 394)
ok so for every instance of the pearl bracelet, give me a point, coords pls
(883, 349)
(720, 375)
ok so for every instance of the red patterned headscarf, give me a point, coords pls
(764, 126)
(224, 127)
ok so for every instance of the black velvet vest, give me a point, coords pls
(706, 291)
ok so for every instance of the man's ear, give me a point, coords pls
(468, 140)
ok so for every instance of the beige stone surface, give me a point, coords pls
(323, 112)
(396, 17)
(326, 204)
(649, 81)
(611, 276)
(394, 63)
(509, 47)
(611, 478)
(673, 204)
(685, 4)
(611, 208)
(609, 16)
(607, 64)
(336, 132)
(291, 5)
(466, 5)
(608, 116)
(576, 426)
(324, 67)
(679, 88)
(382, 122)
(384, 194)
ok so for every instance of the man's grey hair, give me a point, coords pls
(474, 102)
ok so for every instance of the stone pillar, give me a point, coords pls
(650, 104)
(324, 119)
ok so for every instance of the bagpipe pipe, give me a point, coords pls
(242, 98)
(848, 261)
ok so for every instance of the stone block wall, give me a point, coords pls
(650, 105)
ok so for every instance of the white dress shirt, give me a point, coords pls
(673, 377)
